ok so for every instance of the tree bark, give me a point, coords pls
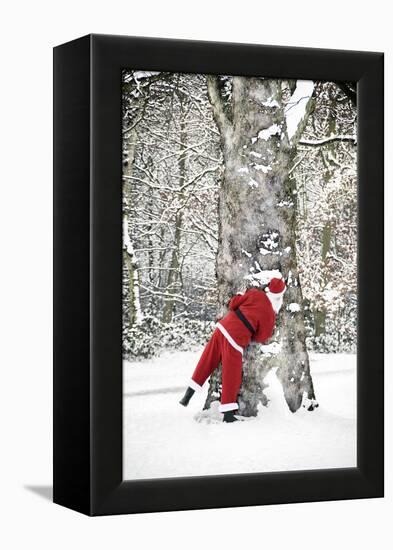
(257, 233)
(129, 256)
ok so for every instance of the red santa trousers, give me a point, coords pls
(221, 348)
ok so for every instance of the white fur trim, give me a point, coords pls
(229, 338)
(228, 407)
(194, 385)
(276, 293)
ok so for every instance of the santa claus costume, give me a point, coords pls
(251, 317)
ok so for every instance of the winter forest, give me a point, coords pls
(228, 181)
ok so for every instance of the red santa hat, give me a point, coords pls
(275, 292)
(276, 286)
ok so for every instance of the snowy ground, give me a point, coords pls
(164, 439)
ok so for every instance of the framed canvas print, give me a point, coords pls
(218, 274)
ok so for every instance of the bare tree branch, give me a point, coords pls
(323, 141)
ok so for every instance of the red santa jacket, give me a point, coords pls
(256, 307)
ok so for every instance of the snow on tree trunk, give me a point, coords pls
(129, 256)
(132, 266)
(257, 233)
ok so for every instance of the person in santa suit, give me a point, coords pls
(251, 317)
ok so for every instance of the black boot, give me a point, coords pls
(187, 396)
(229, 416)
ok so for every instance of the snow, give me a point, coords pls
(264, 277)
(144, 74)
(271, 349)
(164, 439)
(265, 169)
(268, 242)
(243, 170)
(296, 108)
(293, 307)
(288, 203)
(268, 132)
(253, 183)
(331, 294)
(271, 103)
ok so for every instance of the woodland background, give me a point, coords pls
(172, 173)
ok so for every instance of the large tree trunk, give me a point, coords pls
(257, 233)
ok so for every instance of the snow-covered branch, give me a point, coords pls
(330, 139)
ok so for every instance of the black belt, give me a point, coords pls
(244, 320)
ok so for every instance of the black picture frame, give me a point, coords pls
(87, 275)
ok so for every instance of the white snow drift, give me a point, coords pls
(164, 439)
